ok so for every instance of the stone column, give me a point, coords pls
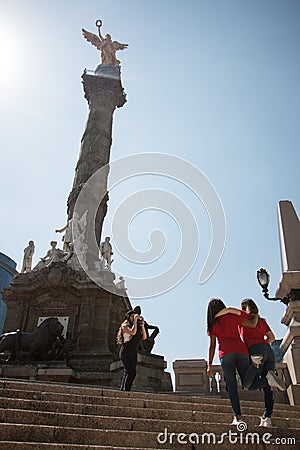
(104, 92)
(289, 234)
(289, 288)
(291, 348)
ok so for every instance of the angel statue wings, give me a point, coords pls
(106, 45)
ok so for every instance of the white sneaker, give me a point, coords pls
(275, 381)
(257, 359)
(236, 421)
(265, 422)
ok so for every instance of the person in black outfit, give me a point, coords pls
(130, 334)
(148, 343)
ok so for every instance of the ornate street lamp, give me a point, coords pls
(263, 279)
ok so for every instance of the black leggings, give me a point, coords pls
(128, 356)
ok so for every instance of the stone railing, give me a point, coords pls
(191, 377)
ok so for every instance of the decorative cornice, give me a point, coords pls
(105, 88)
(56, 278)
(292, 311)
(289, 280)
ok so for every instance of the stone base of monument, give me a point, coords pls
(60, 372)
(90, 314)
(150, 377)
(92, 369)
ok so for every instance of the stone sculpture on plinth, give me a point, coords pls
(106, 254)
(28, 255)
(106, 45)
(32, 346)
(120, 285)
(53, 255)
(289, 286)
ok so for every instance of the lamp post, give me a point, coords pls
(263, 279)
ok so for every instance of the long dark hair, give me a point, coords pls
(127, 316)
(127, 321)
(215, 305)
(252, 306)
(248, 302)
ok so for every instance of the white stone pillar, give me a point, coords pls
(291, 348)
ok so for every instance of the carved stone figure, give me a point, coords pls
(81, 248)
(106, 253)
(106, 45)
(120, 285)
(27, 259)
(54, 254)
(67, 237)
(73, 229)
(32, 346)
(98, 265)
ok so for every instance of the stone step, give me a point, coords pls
(133, 421)
(135, 439)
(153, 401)
(67, 416)
(14, 445)
(97, 391)
(84, 436)
(191, 413)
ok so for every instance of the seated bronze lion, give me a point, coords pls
(32, 346)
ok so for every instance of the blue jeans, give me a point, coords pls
(231, 363)
(268, 363)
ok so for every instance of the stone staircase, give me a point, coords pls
(57, 416)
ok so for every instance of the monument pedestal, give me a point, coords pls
(191, 376)
(88, 312)
(150, 376)
(57, 371)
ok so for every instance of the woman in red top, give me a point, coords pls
(233, 352)
(258, 341)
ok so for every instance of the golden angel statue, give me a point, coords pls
(107, 46)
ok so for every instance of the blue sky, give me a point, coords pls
(213, 82)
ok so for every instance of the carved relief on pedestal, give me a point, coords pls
(86, 319)
(56, 277)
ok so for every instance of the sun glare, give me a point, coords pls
(11, 57)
